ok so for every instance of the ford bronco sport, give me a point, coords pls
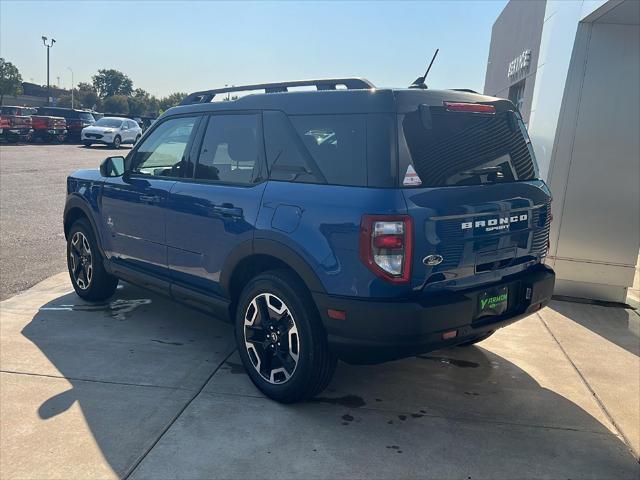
(346, 222)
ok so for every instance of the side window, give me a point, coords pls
(230, 149)
(287, 158)
(162, 153)
(338, 145)
(131, 124)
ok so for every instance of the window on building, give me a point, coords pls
(516, 95)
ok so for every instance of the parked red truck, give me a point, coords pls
(16, 123)
(49, 129)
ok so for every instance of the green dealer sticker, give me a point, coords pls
(493, 302)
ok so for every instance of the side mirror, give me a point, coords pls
(112, 167)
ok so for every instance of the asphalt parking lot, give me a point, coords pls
(141, 387)
(32, 194)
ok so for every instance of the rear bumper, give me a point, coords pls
(376, 331)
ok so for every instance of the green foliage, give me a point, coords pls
(116, 104)
(65, 101)
(10, 79)
(171, 100)
(110, 82)
(86, 96)
(143, 103)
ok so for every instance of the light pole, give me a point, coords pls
(44, 41)
(69, 68)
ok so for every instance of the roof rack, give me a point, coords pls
(206, 96)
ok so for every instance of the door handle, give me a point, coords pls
(149, 199)
(228, 210)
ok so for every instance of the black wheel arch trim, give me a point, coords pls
(74, 202)
(272, 248)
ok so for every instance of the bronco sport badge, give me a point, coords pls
(496, 223)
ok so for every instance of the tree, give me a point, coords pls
(64, 101)
(143, 103)
(171, 100)
(87, 96)
(110, 82)
(10, 79)
(116, 104)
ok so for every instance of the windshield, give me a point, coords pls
(109, 122)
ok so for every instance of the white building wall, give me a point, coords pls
(594, 164)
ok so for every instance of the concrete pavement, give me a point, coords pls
(141, 387)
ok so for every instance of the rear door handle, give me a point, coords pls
(228, 210)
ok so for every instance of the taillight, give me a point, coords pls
(386, 244)
(469, 107)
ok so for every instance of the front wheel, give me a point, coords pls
(117, 141)
(87, 144)
(281, 340)
(89, 278)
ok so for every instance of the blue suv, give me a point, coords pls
(339, 221)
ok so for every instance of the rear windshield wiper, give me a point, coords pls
(482, 171)
(493, 173)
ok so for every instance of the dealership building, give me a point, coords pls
(573, 70)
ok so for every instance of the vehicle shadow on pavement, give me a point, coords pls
(130, 366)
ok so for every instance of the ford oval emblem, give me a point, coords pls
(432, 260)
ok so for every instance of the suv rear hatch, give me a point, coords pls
(469, 177)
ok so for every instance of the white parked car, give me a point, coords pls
(112, 131)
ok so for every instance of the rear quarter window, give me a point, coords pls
(348, 150)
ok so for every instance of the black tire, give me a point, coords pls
(87, 144)
(98, 285)
(117, 141)
(315, 364)
(479, 339)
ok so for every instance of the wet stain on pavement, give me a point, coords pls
(235, 368)
(350, 401)
(450, 361)
(472, 394)
(167, 343)
(118, 309)
(402, 417)
(417, 415)
(347, 418)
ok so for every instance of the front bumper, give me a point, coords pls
(105, 139)
(377, 331)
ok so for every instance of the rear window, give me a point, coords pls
(349, 150)
(442, 148)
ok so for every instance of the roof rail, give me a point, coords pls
(206, 96)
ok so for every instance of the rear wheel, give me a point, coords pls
(89, 278)
(281, 340)
(136, 140)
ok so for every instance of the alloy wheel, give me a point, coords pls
(80, 260)
(271, 338)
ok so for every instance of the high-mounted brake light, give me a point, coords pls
(469, 107)
(386, 244)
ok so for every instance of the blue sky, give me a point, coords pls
(186, 46)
